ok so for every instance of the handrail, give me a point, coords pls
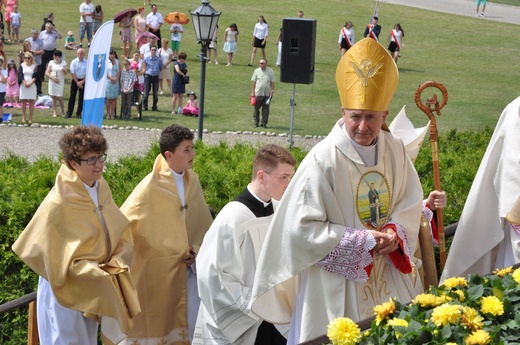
(17, 303)
(32, 325)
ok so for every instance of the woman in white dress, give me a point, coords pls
(166, 54)
(27, 87)
(56, 70)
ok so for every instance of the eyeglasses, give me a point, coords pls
(93, 160)
(27, 58)
(283, 178)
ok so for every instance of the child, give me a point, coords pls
(70, 42)
(176, 30)
(192, 107)
(97, 19)
(3, 84)
(16, 22)
(172, 187)
(127, 80)
(230, 42)
(126, 33)
(12, 87)
(213, 46)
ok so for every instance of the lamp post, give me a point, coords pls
(205, 20)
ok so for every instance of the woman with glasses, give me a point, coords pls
(80, 245)
(27, 85)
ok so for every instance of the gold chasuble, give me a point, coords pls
(85, 262)
(163, 230)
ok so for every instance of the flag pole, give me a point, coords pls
(375, 14)
(432, 105)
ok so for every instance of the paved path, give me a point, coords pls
(494, 11)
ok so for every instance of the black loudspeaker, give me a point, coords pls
(298, 45)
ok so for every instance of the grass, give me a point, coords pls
(473, 58)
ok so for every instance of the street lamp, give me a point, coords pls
(204, 20)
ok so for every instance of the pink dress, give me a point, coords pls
(126, 32)
(191, 108)
(136, 66)
(140, 37)
(8, 9)
(12, 90)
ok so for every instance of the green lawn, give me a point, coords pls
(474, 59)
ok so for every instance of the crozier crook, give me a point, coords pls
(432, 105)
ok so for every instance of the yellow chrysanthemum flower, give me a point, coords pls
(397, 322)
(516, 275)
(343, 331)
(451, 344)
(455, 282)
(428, 300)
(502, 272)
(461, 295)
(445, 298)
(479, 337)
(384, 311)
(471, 318)
(491, 305)
(446, 314)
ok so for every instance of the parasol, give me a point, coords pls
(119, 17)
(434, 134)
(183, 19)
(148, 34)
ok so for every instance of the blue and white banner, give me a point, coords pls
(95, 83)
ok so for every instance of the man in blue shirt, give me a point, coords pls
(78, 69)
(151, 67)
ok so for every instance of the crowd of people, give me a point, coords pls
(151, 61)
(40, 58)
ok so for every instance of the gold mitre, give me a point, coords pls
(412, 137)
(514, 214)
(367, 77)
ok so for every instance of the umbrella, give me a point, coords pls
(183, 19)
(148, 34)
(119, 17)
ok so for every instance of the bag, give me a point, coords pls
(20, 75)
(185, 78)
(252, 99)
(212, 45)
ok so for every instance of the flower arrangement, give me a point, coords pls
(474, 311)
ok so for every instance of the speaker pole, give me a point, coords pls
(293, 105)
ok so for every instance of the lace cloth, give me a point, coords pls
(350, 257)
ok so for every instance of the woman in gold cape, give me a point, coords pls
(78, 242)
